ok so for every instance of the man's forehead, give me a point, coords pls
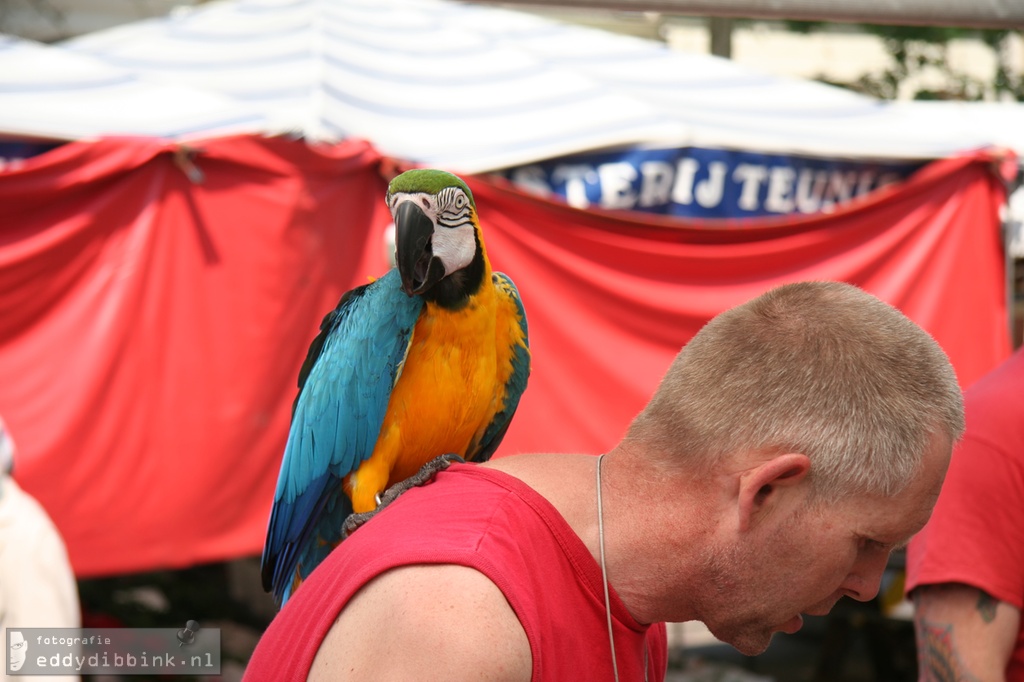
(897, 519)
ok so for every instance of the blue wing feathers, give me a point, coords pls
(344, 386)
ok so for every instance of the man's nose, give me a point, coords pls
(865, 578)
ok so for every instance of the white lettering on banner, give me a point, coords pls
(709, 192)
(840, 188)
(617, 185)
(682, 189)
(575, 177)
(780, 190)
(656, 183)
(656, 186)
(809, 189)
(864, 183)
(532, 180)
(751, 176)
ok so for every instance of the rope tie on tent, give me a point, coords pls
(184, 159)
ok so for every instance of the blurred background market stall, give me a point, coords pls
(188, 187)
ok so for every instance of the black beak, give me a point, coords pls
(414, 254)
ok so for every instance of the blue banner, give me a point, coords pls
(706, 183)
(13, 151)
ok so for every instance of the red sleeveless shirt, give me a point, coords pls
(491, 522)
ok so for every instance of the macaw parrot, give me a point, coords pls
(429, 359)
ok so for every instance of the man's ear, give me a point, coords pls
(761, 486)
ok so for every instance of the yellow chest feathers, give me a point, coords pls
(452, 384)
(448, 388)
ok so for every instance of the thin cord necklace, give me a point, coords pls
(604, 578)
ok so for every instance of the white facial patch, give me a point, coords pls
(455, 246)
(424, 201)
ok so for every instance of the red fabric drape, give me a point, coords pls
(151, 329)
(611, 300)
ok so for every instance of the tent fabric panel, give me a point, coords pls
(152, 331)
(157, 300)
(610, 301)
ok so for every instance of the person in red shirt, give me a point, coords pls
(792, 444)
(965, 570)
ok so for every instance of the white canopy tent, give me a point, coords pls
(48, 92)
(476, 88)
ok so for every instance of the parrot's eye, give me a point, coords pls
(460, 200)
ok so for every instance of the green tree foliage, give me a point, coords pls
(913, 50)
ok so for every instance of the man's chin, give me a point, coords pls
(749, 647)
(747, 643)
(753, 644)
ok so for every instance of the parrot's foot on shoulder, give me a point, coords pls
(424, 475)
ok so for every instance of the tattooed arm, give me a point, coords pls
(963, 634)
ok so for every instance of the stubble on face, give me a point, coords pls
(758, 586)
(740, 609)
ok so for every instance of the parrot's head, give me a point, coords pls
(438, 249)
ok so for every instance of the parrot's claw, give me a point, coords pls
(423, 476)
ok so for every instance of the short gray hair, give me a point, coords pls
(820, 368)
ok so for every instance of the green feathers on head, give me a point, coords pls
(426, 180)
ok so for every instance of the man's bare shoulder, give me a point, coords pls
(442, 622)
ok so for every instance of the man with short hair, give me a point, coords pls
(792, 444)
